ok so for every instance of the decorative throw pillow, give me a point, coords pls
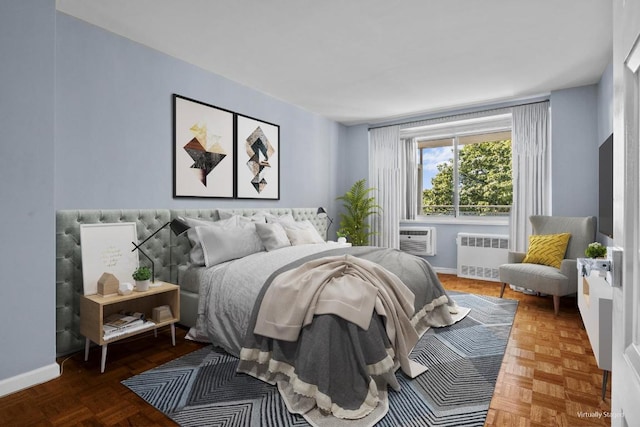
(547, 249)
(221, 244)
(273, 236)
(196, 256)
(302, 233)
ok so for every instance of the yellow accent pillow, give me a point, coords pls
(547, 249)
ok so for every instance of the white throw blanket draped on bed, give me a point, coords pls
(348, 287)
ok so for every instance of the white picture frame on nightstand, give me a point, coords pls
(106, 248)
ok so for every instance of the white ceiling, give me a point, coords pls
(367, 61)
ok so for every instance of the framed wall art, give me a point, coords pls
(203, 150)
(258, 159)
(106, 248)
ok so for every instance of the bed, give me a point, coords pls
(353, 313)
(219, 303)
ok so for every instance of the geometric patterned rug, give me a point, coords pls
(203, 389)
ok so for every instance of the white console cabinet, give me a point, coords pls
(595, 297)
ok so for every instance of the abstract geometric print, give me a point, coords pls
(205, 150)
(259, 150)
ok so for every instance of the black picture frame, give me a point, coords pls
(257, 159)
(203, 150)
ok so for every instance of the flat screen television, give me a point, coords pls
(605, 187)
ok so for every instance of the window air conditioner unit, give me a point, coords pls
(418, 240)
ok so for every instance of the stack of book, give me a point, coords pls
(118, 324)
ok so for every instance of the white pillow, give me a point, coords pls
(273, 236)
(302, 233)
(196, 256)
(221, 244)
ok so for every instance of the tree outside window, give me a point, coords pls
(482, 171)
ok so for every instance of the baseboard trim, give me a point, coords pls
(445, 270)
(29, 379)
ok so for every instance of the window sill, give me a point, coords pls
(458, 221)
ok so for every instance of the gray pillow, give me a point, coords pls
(273, 236)
(196, 256)
(221, 244)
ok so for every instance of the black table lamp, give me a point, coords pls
(323, 214)
(177, 226)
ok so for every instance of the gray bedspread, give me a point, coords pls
(228, 292)
(335, 368)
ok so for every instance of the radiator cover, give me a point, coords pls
(480, 255)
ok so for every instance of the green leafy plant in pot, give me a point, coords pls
(595, 250)
(142, 276)
(359, 205)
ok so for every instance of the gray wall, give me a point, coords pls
(574, 151)
(27, 262)
(114, 127)
(605, 104)
(352, 165)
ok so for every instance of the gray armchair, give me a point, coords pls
(545, 279)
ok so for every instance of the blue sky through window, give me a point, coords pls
(431, 157)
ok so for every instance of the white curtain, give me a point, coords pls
(409, 157)
(386, 176)
(530, 169)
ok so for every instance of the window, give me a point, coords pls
(465, 168)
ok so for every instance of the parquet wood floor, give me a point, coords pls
(549, 375)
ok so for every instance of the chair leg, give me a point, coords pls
(556, 304)
(504, 285)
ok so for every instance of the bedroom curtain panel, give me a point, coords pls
(409, 157)
(530, 169)
(386, 176)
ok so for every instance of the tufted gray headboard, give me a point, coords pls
(167, 251)
(69, 287)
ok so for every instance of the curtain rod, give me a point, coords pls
(460, 114)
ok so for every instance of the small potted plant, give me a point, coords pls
(142, 276)
(595, 250)
(342, 237)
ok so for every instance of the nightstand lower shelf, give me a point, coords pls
(103, 360)
(94, 309)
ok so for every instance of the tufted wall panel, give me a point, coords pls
(69, 286)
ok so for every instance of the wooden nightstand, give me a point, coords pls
(95, 308)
